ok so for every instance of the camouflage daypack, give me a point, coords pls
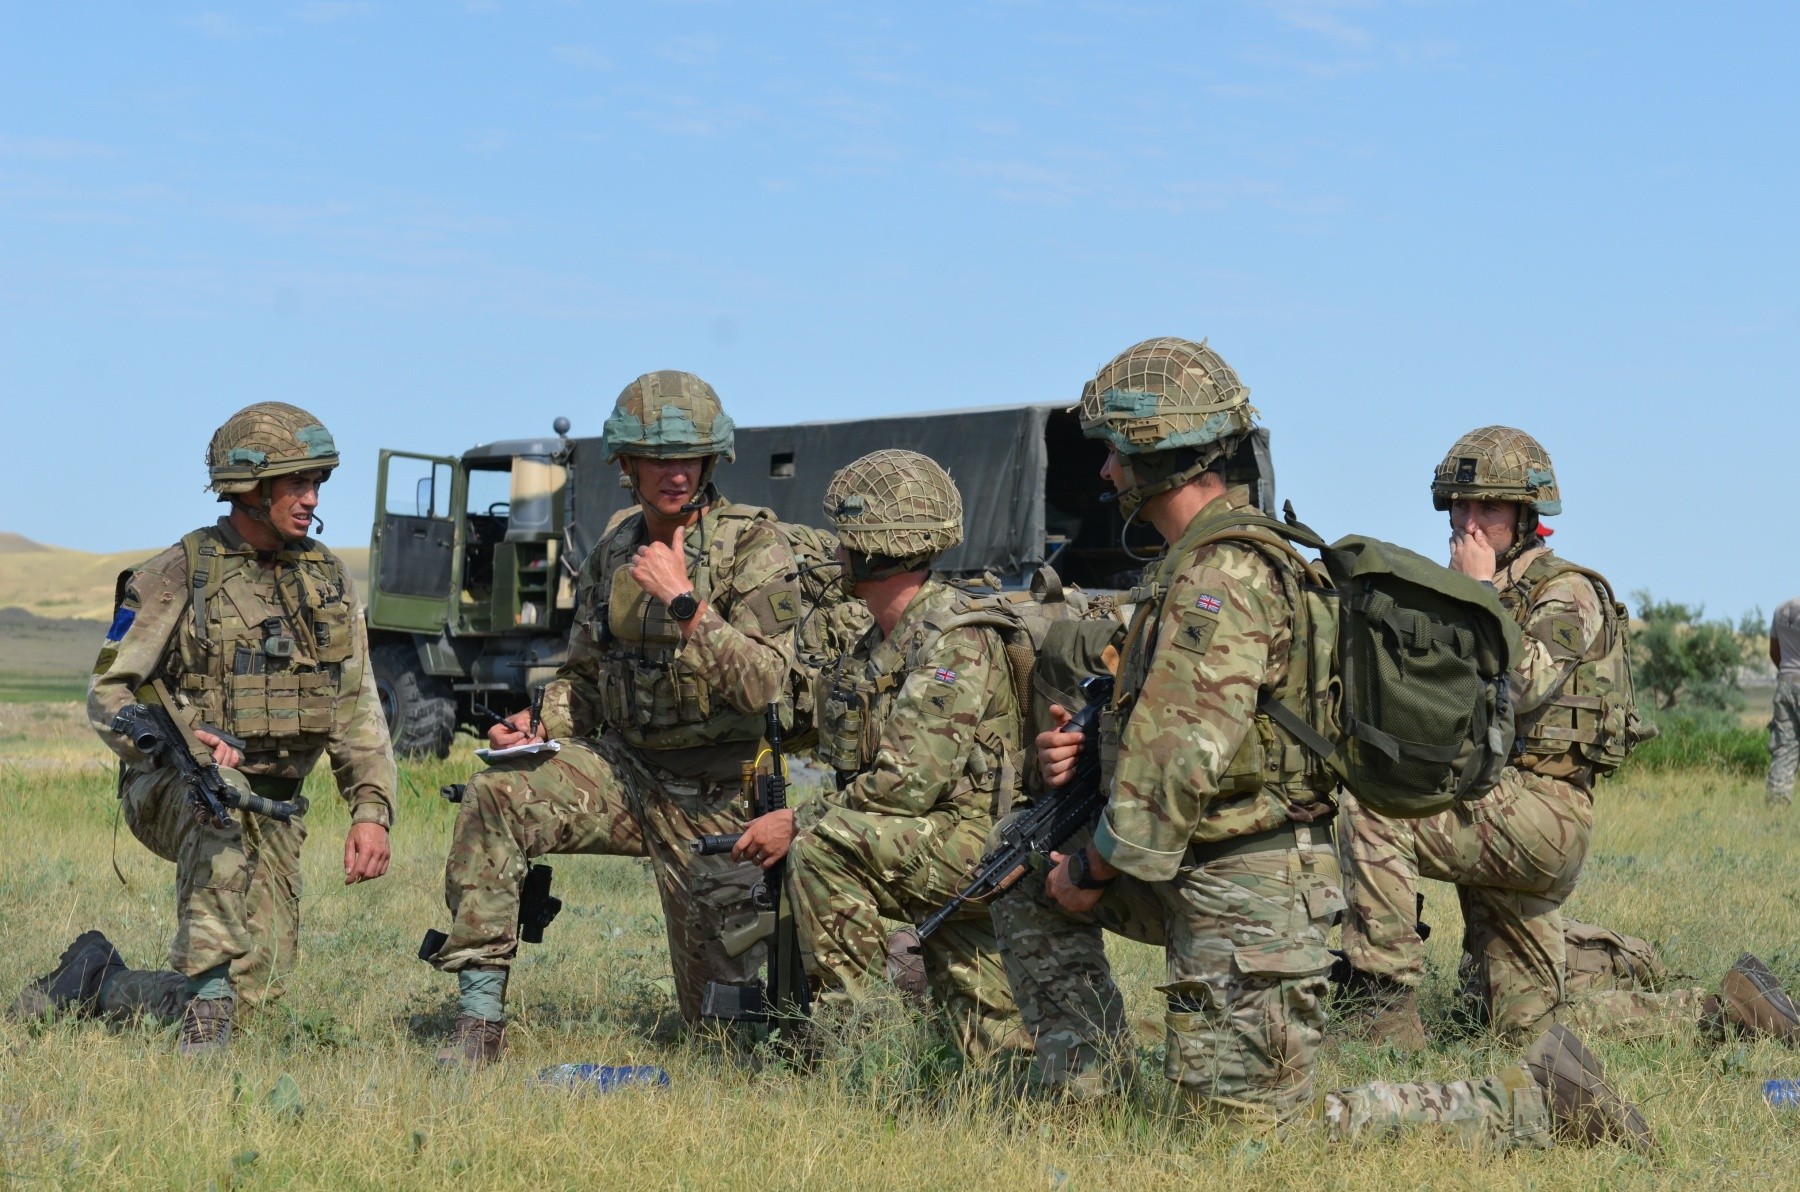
(1592, 719)
(1407, 702)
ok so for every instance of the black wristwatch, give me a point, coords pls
(684, 606)
(1083, 877)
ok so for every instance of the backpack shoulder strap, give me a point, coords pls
(206, 567)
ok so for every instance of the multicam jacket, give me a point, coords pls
(268, 645)
(1192, 759)
(924, 721)
(695, 707)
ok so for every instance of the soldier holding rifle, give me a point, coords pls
(245, 640)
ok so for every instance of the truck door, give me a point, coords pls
(412, 554)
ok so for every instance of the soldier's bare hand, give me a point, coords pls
(514, 730)
(365, 853)
(662, 570)
(1064, 892)
(1057, 750)
(766, 838)
(223, 754)
(1472, 555)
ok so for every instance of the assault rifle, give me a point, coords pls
(1050, 821)
(166, 739)
(783, 995)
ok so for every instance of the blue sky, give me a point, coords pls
(435, 224)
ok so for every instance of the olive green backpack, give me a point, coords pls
(1422, 716)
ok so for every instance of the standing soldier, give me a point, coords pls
(682, 633)
(1215, 839)
(921, 722)
(251, 627)
(1784, 717)
(1515, 854)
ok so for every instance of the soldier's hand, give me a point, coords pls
(365, 853)
(223, 754)
(1472, 555)
(1057, 750)
(1064, 892)
(662, 570)
(766, 838)
(514, 730)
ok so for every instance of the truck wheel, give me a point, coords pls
(420, 709)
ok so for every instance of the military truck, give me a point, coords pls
(473, 558)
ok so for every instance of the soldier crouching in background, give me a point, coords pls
(248, 632)
(1516, 853)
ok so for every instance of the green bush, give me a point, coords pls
(1709, 741)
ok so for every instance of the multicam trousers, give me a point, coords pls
(1246, 954)
(1784, 741)
(599, 796)
(1514, 856)
(847, 870)
(237, 893)
(1246, 965)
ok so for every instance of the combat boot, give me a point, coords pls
(1751, 1002)
(73, 986)
(1583, 1107)
(473, 1043)
(1380, 1010)
(206, 1026)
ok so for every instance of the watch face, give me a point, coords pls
(684, 606)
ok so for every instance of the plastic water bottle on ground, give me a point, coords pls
(603, 1078)
(1782, 1094)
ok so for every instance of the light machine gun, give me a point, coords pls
(1050, 821)
(166, 739)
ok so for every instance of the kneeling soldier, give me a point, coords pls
(920, 720)
(1215, 841)
(683, 621)
(249, 627)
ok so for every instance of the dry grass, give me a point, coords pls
(1693, 862)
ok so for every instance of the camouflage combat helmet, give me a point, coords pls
(669, 415)
(893, 511)
(1171, 408)
(1498, 463)
(265, 440)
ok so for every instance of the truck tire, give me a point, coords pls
(420, 708)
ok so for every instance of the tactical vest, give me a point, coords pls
(653, 700)
(1591, 721)
(1272, 779)
(266, 652)
(853, 701)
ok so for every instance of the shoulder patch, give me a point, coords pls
(944, 675)
(1193, 630)
(1208, 603)
(121, 622)
(784, 607)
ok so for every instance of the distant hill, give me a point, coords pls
(53, 582)
(12, 544)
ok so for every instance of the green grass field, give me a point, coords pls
(1689, 858)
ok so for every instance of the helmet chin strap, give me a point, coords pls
(261, 514)
(1524, 537)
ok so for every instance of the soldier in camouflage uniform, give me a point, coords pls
(683, 623)
(1784, 709)
(1515, 854)
(1215, 842)
(920, 721)
(249, 626)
